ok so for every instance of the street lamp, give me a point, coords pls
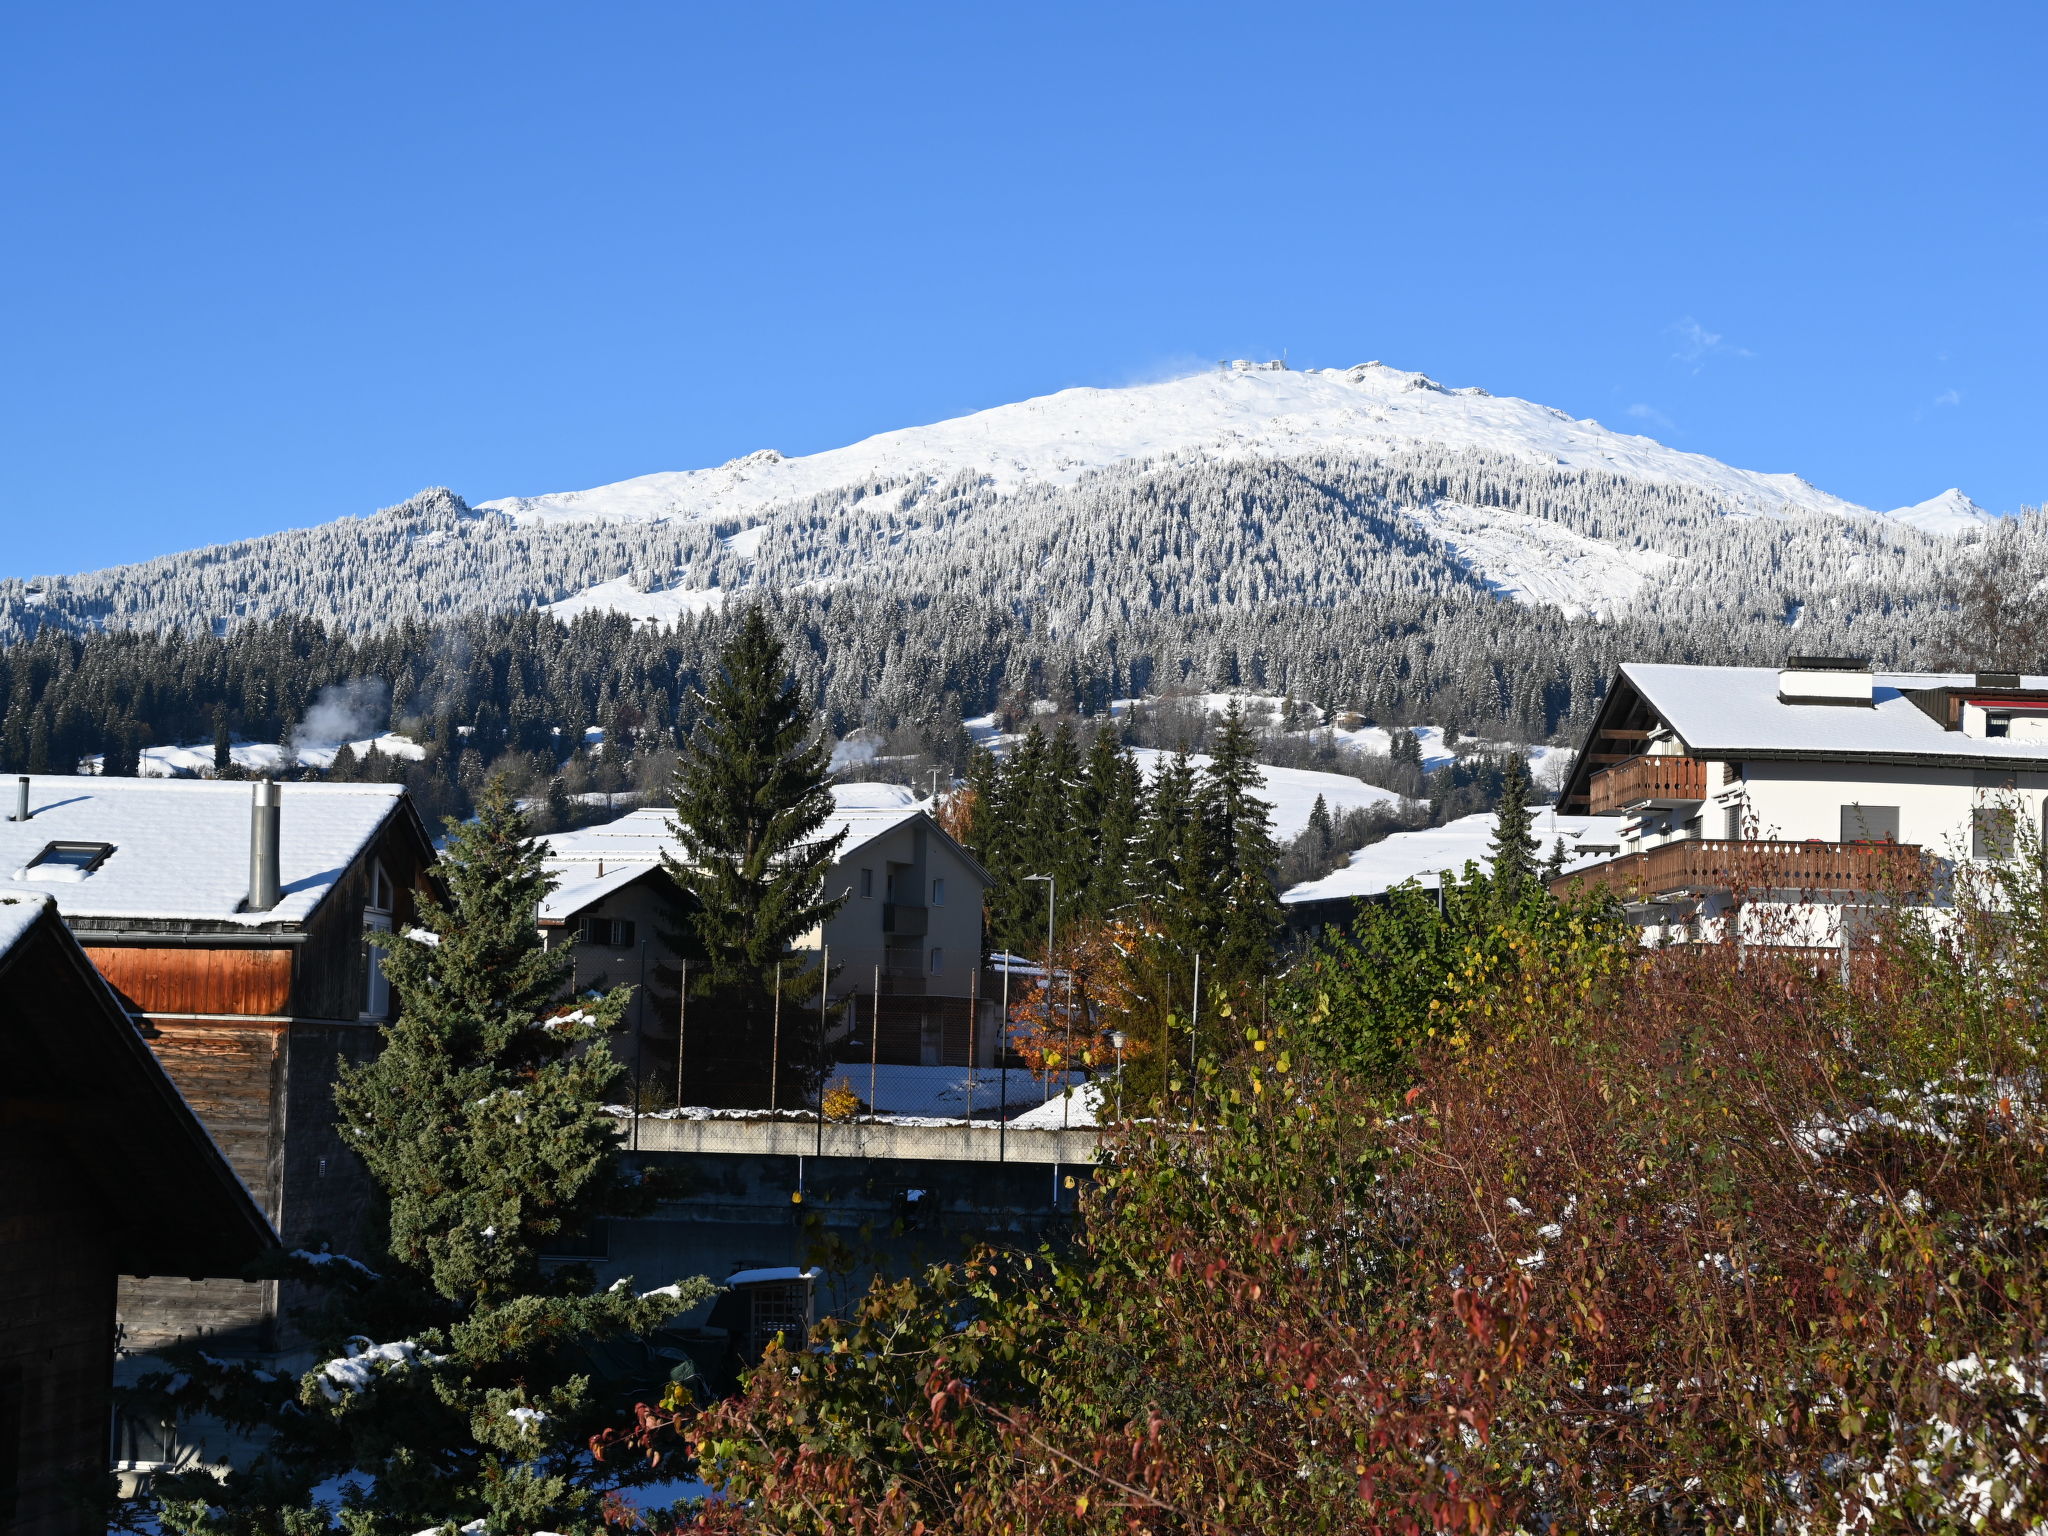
(1116, 1043)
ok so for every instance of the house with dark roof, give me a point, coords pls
(105, 1173)
(231, 920)
(905, 947)
(1792, 799)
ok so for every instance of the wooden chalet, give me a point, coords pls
(104, 1172)
(231, 920)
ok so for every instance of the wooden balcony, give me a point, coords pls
(1774, 870)
(1640, 782)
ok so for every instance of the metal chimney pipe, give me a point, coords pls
(20, 799)
(264, 877)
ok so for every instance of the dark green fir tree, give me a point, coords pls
(752, 794)
(1514, 845)
(455, 1374)
(1237, 822)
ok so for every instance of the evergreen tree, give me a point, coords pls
(1239, 834)
(1513, 849)
(1321, 829)
(752, 792)
(1109, 811)
(222, 752)
(458, 1380)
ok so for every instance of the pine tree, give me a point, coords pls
(222, 751)
(1513, 849)
(752, 792)
(1321, 828)
(1239, 827)
(456, 1383)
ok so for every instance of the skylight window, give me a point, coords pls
(65, 861)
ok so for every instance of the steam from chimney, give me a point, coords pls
(264, 875)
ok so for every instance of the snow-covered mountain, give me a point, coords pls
(1084, 511)
(1243, 411)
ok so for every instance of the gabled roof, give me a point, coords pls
(593, 862)
(1736, 713)
(181, 846)
(71, 1060)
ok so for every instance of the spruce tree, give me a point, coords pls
(752, 792)
(1239, 827)
(1513, 849)
(454, 1380)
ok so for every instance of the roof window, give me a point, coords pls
(65, 861)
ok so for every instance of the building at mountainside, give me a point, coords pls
(231, 922)
(1793, 800)
(1426, 855)
(905, 947)
(104, 1172)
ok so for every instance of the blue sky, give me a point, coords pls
(272, 264)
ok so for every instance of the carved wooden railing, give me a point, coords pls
(1756, 867)
(1646, 780)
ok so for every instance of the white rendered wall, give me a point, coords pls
(1796, 802)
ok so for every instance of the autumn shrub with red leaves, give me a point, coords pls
(1694, 1239)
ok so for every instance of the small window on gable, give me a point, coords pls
(938, 893)
(66, 861)
(867, 882)
(608, 932)
(380, 889)
(938, 961)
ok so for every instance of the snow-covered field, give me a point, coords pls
(1292, 792)
(256, 756)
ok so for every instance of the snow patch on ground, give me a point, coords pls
(1291, 792)
(663, 605)
(1534, 560)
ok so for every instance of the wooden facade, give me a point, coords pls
(103, 1171)
(252, 1024)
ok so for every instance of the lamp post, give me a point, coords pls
(1116, 1043)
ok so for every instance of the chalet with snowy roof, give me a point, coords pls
(232, 922)
(104, 1172)
(1802, 794)
(905, 947)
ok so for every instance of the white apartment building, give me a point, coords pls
(1799, 795)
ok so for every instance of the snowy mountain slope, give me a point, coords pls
(1079, 515)
(1244, 411)
(1038, 459)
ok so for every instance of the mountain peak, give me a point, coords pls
(1949, 513)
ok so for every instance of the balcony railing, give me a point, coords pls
(1700, 866)
(904, 919)
(1643, 781)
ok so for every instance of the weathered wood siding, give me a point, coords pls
(56, 1331)
(233, 1076)
(239, 981)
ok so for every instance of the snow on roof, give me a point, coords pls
(18, 914)
(181, 846)
(1737, 710)
(773, 1273)
(1291, 791)
(1423, 856)
(628, 848)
